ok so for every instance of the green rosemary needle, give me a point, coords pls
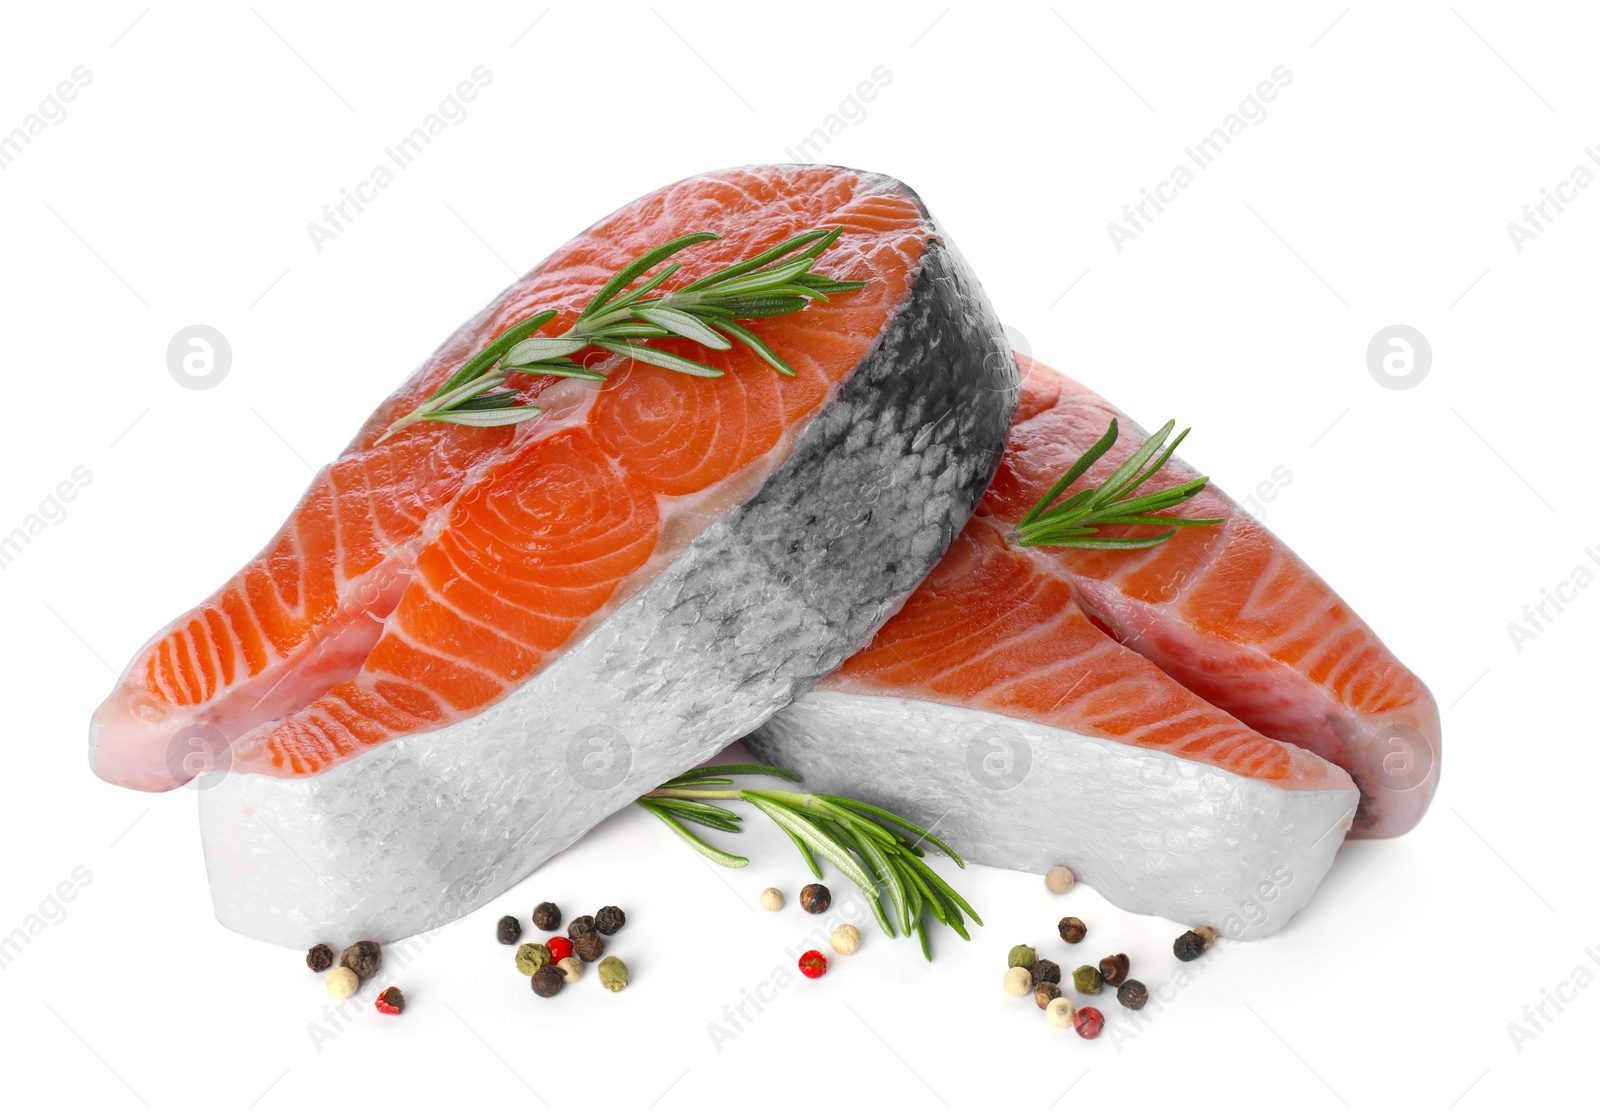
(623, 320)
(873, 847)
(1076, 521)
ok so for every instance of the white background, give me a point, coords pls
(1377, 191)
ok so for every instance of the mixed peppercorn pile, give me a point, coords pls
(557, 962)
(1026, 972)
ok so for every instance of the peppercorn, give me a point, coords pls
(530, 956)
(391, 1002)
(1087, 979)
(845, 939)
(1023, 955)
(1072, 929)
(365, 958)
(1059, 879)
(1059, 1013)
(548, 980)
(815, 898)
(319, 957)
(589, 946)
(1189, 946)
(1114, 968)
(560, 947)
(1045, 992)
(813, 964)
(614, 972)
(509, 930)
(771, 899)
(1045, 970)
(1088, 1022)
(1017, 981)
(342, 982)
(609, 920)
(547, 917)
(1208, 935)
(580, 926)
(1133, 994)
(571, 969)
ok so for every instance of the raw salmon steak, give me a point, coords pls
(1174, 723)
(467, 646)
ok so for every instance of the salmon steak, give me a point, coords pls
(1193, 727)
(469, 644)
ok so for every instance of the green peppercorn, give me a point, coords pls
(1024, 956)
(1188, 946)
(614, 973)
(609, 920)
(547, 917)
(547, 980)
(1114, 968)
(1072, 929)
(589, 946)
(1045, 992)
(532, 955)
(364, 957)
(1087, 979)
(1133, 994)
(509, 930)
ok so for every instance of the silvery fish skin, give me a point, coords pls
(765, 602)
(1152, 832)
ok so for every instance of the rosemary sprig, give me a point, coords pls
(1076, 521)
(623, 320)
(868, 844)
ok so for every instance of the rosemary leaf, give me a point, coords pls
(705, 849)
(684, 324)
(644, 354)
(497, 417)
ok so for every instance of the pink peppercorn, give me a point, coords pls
(813, 964)
(1088, 1022)
(560, 947)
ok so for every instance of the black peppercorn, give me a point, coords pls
(1045, 992)
(589, 946)
(815, 898)
(319, 957)
(1188, 946)
(1072, 929)
(1133, 994)
(509, 930)
(364, 957)
(1114, 968)
(580, 926)
(1045, 970)
(609, 920)
(547, 981)
(547, 917)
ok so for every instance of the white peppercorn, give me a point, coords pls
(1018, 981)
(845, 939)
(771, 899)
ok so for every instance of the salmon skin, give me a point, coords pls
(467, 646)
(1114, 710)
